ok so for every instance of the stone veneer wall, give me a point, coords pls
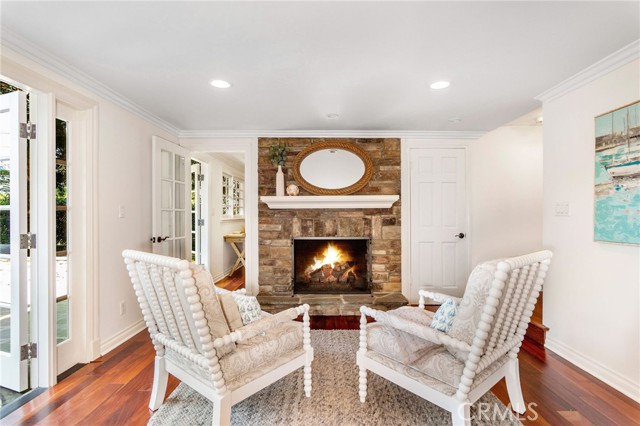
(277, 227)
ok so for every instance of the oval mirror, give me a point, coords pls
(332, 168)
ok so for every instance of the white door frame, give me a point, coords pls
(44, 94)
(405, 170)
(249, 147)
(205, 248)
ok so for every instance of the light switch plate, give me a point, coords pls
(563, 209)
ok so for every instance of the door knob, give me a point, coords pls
(460, 235)
(158, 239)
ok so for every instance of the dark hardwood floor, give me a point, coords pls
(115, 390)
(232, 282)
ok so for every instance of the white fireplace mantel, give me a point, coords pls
(330, 201)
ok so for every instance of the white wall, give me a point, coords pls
(221, 254)
(591, 297)
(505, 175)
(124, 178)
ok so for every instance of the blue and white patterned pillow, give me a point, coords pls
(443, 318)
(248, 306)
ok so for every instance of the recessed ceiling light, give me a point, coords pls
(539, 120)
(333, 116)
(440, 85)
(220, 84)
(455, 120)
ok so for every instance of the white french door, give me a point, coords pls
(171, 199)
(13, 259)
(197, 216)
(70, 333)
(439, 247)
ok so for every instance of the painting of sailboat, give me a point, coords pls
(617, 176)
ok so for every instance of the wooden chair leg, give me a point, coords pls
(222, 411)
(160, 379)
(512, 377)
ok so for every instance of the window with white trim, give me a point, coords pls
(232, 196)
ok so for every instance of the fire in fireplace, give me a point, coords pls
(335, 265)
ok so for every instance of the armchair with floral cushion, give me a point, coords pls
(219, 343)
(453, 357)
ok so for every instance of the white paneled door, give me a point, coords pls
(439, 244)
(13, 259)
(171, 198)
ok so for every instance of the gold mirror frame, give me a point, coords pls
(319, 146)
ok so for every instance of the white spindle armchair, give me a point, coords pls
(193, 341)
(454, 369)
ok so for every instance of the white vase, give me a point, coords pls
(280, 182)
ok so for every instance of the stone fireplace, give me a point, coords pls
(280, 229)
(331, 266)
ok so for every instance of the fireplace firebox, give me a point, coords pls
(331, 265)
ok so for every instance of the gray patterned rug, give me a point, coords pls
(334, 399)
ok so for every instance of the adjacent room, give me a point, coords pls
(320, 213)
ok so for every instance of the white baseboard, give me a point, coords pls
(221, 276)
(119, 338)
(595, 368)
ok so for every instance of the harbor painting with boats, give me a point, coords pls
(617, 176)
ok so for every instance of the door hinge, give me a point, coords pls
(200, 178)
(27, 130)
(28, 351)
(28, 241)
(200, 222)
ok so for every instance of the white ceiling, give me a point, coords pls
(291, 63)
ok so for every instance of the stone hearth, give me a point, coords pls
(382, 225)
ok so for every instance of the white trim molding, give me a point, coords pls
(38, 55)
(417, 134)
(122, 336)
(331, 201)
(595, 368)
(614, 61)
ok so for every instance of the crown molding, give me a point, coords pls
(612, 62)
(36, 54)
(404, 134)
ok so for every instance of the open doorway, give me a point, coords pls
(218, 216)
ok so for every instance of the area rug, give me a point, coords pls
(334, 399)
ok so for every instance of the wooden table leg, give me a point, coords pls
(239, 260)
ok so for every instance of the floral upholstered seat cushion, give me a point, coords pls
(466, 320)
(426, 357)
(262, 349)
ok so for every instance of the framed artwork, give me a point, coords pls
(617, 176)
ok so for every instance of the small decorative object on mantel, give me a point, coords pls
(293, 190)
(617, 176)
(278, 155)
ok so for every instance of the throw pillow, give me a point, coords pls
(249, 308)
(443, 318)
(231, 311)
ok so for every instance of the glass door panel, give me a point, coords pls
(170, 228)
(62, 271)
